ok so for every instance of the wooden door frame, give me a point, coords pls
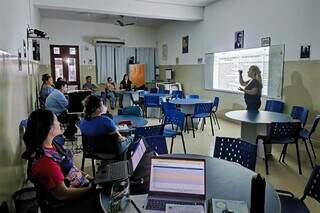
(63, 55)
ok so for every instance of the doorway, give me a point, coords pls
(65, 64)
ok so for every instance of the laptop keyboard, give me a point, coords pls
(160, 205)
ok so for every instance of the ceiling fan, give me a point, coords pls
(121, 22)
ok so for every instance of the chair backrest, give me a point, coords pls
(300, 113)
(236, 150)
(177, 94)
(203, 108)
(151, 100)
(147, 131)
(166, 106)
(274, 106)
(315, 124)
(175, 117)
(193, 96)
(131, 110)
(157, 144)
(153, 90)
(312, 188)
(284, 129)
(215, 105)
(105, 144)
(134, 97)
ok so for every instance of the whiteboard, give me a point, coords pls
(221, 69)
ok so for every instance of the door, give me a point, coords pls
(65, 64)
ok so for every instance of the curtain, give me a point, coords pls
(105, 62)
(147, 56)
(122, 57)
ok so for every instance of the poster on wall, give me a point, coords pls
(305, 51)
(265, 42)
(164, 52)
(185, 44)
(238, 39)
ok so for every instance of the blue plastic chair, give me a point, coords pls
(300, 113)
(177, 94)
(236, 150)
(292, 204)
(281, 133)
(151, 101)
(202, 110)
(166, 106)
(215, 106)
(147, 131)
(176, 120)
(153, 90)
(192, 96)
(305, 135)
(157, 144)
(274, 106)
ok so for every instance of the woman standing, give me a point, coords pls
(125, 84)
(46, 89)
(252, 88)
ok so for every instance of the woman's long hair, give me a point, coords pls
(124, 77)
(256, 72)
(39, 125)
(45, 78)
(91, 104)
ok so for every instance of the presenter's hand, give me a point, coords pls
(240, 72)
(241, 89)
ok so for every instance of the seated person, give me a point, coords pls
(88, 85)
(46, 89)
(57, 103)
(94, 124)
(125, 84)
(52, 168)
(110, 91)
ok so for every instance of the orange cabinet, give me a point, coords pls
(137, 74)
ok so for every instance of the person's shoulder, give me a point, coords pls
(43, 165)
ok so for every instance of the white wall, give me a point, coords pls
(289, 22)
(14, 18)
(67, 32)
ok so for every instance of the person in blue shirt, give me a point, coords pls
(95, 124)
(57, 103)
(88, 85)
(46, 89)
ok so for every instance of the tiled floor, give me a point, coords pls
(281, 176)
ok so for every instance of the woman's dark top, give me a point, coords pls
(126, 86)
(253, 102)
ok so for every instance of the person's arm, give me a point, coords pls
(63, 101)
(241, 81)
(62, 192)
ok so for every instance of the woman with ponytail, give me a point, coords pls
(96, 124)
(252, 88)
(51, 167)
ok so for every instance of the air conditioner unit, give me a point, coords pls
(111, 41)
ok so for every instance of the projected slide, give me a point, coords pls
(226, 66)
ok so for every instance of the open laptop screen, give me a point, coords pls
(138, 154)
(178, 176)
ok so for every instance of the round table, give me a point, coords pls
(224, 180)
(254, 123)
(136, 121)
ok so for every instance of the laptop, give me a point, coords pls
(180, 181)
(121, 169)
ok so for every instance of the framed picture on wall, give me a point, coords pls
(185, 44)
(266, 42)
(305, 51)
(238, 39)
(165, 52)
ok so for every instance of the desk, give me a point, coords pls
(255, 123)
(187, 107)
(126, 101)
(224, 180)
(136, 121)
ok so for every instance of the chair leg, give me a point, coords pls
(298, 157)
(211, 126)
(314, 154)
(82, 164)
(184, 145)
(203, 123)
(171, 145)
(307, 149)
(283, 153)
(266, 159)
(194, 136)
(216, 118)
(187, 126)
(93, 168)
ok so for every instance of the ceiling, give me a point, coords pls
(101, 18)
(199, 3)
